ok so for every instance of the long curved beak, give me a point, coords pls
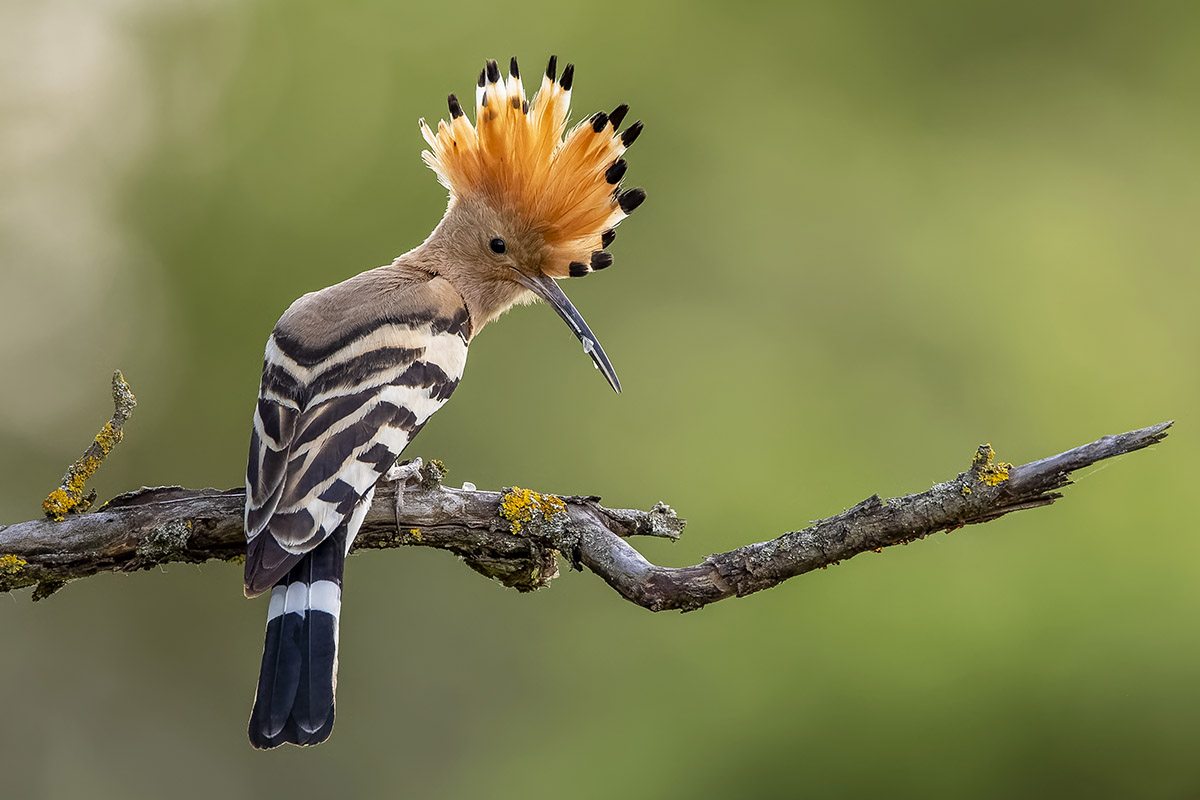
(546, 288)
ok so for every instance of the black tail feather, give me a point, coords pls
(314, 699)
(295, 699)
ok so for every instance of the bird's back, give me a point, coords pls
(350, 375)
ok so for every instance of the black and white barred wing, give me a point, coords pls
(331, 420)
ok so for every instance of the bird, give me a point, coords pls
(352, 372)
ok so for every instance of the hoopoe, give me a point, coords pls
(354, 371)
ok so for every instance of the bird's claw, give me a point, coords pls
(401, 475)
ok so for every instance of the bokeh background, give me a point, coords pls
(877, 235)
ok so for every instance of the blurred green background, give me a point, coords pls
(877, 235)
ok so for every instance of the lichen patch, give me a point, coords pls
(11, 565)
(987, 469)
(166, 542)
(526, 509)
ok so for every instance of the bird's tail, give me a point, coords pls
(294, 702)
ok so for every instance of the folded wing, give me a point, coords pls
(342, 395)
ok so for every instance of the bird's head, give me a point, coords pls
(528, 203)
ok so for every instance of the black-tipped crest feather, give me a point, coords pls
(618, 116)
(520, 156)
(631, 133)
(631, 199)
(617, 171)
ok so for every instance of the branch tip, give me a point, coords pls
(69, 497)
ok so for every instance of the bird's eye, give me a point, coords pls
(497, 246)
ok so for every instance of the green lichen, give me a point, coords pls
(529, 511)
(165, 542)
(987, 469)
(433, 473)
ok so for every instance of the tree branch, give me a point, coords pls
(514, 536)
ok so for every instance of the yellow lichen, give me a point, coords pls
(108, 438)
(57, 504)
(415, 533)
(986, 469)
(11, 565)
(997, 473)
(966, 490)
(522, 507)
(69, 498)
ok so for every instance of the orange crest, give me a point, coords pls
(517, 158)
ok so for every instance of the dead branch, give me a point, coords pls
(514, 536)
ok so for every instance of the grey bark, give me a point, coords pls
(157, 526)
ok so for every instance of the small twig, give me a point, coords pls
(69, 497)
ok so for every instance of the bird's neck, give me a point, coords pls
(486, 296)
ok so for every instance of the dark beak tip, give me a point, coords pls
(545, 287)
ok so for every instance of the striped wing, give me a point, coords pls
(332, 418)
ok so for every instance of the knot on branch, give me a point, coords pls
(540, 522)
(662, 521)
(986, 470)
(433, 474)
(525, 573)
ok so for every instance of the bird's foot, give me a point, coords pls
(402, 475)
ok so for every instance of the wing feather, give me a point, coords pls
(333, 416)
